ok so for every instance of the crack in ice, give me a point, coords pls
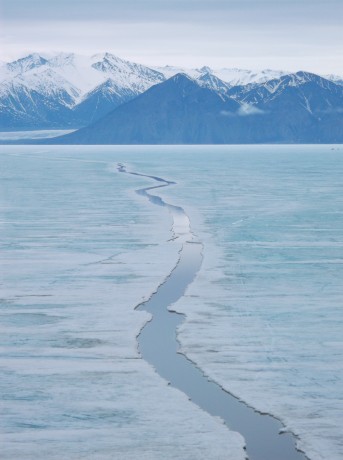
(265, 436)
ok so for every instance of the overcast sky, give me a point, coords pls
(278, 34)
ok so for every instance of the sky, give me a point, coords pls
(255, 34)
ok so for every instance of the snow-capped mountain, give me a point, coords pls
(210, 81)
(305, 89)
(20, 66)
(179, 110)
(232, 77)
(66, 90)
(338, 79)
(68, 80)
(295, 108)
(127, 74)
(101, 100)
(169, 71)
(245, 77)
(21, 106)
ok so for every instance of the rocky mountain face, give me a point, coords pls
(296, 108)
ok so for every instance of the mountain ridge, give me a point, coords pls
(302, 108)
(66, 90)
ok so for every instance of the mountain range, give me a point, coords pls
(67, 90)
(295, 108)
(116, 101)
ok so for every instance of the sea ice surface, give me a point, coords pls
(265, 314)
(79, 250)
(263, 318)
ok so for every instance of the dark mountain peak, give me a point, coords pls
(102, 87)
(209, 90)
(180, 82)
(181, 87)
(178, 110)
(182, 78)
(108, 90)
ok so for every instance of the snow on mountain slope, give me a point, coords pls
(4, 72)
(296, 108)
(84, 73)
(256, 93)
(210, 81)
(38, 97)
(338, 79)
(101, 100)
(88, 72)
(233, 77)
(305, 97)
(50, 84)
(23, 106)
(25, 64)
(244, 77)
(68, 79)
(77, 70)
(169, 71)
(127, 74)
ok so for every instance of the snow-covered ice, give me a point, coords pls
(264, 317)
(79, 250)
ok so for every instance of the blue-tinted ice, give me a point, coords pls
(264, 317)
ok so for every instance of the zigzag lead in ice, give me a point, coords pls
(159, 346)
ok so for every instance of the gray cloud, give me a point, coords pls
(288, 34)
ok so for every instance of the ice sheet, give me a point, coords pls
(265, 315)
(79, 250)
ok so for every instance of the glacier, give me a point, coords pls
(263, 317)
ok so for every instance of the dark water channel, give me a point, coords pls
(158, 345)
